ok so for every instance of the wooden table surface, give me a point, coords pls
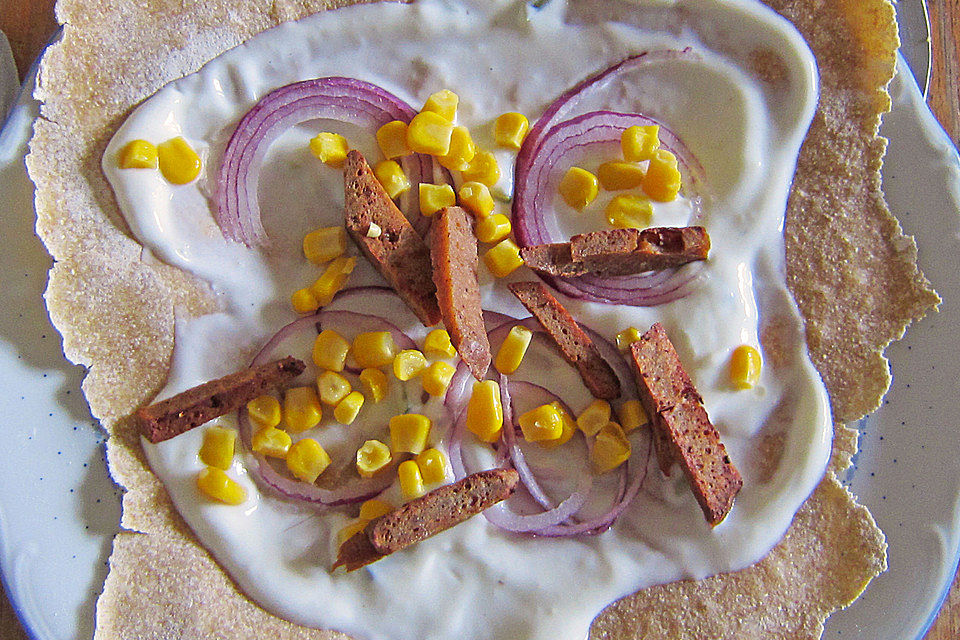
(29, 24)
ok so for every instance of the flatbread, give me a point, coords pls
(114, 305)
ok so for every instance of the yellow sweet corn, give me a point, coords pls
(330, 148)
(510, 129)
(375, 383)
(594, 417)
(627, 337)
(330, 350)
(632, 415)
(639, 143)
(372, 457)
(350, 530)
(303, 301)
(392, 138)
(217, 447)
(217, 485)
(461, 151)
(662, 180)
(443, 103)
(138, 154)
(437, 343)
(618, 175)
(411, 480)
(745, 364)
(437, 377)
(391, 176)
(610, 449)
(332, 387)
(429, 133)
(629, 211)
(483, 168)
(503, 258)
(332, 279)
(324, 244)
(409, 433)
(272, 442)
(578, 187)
(493, 228)
(374, 508)
(475, 197)
(178, 162)
(542, 423)
(301, 409)
(512, 349)
(568, 428)
(433, 466)
(485, 411)
(347, 409)
(374, 349)
(434, 197)
(409, 363)
(264, 411)
(306, 459)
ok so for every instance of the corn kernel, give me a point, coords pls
(610, 449)
(510, 129)
(745, 364)
(330, 350)
(437, 377)
(619, 175)
(629, 211)
(639, 143)
(374, 349)
(461, 152)
(433, 466)
(392, 138)
(329, 148)
(568, 427)
(138, 154)
(493, 228)
(324, 244)
(512, 350)
(347, 409)
(409, 363)
(483, 169)
(272, 442)
(632, 415)
(391, 176)
(411, 480)
(437, 343)
(375, 383)
(332, 279)
(217, 447)
(350, 530)
(429, 133)
(475, 198)
(374, 508)
(542, 423)
(264, 411)
(627, 337)
(485, 411)
(662, 180)
(578, 187)
(306, 459)
(444, 103)
(371, 458)
(594, 417)
(503, 258)
(178, 162)
(216, 484)
(409, 433)
(301, 409)
(303, 301)
(434, 197)
(332, 387)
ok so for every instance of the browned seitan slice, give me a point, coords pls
(398, 252)
(682, 430)
(203, 403)
(575, 345)
(453, 250)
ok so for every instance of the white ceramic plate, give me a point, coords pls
(59, 509)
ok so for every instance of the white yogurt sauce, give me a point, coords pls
(475, 581)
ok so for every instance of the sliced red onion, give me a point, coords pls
(502, 517)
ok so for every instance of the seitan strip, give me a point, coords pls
(194, 407)
(453, 250)
(575, 345)
(398, 252)
(682, 430)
